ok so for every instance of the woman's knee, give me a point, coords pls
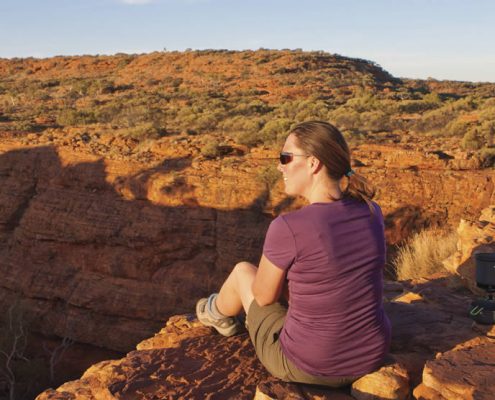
(244, 267)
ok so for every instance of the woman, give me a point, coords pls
(332, 254)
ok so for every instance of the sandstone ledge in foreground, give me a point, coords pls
(434, 346)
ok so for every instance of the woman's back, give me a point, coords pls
(332, 252)
(334, 255)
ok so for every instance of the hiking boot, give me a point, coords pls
(227, 326)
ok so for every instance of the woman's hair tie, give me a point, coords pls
(349, 173)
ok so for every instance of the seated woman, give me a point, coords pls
(332, 253)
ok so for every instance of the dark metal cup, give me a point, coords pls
(485, 271)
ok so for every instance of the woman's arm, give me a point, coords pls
(268, 283)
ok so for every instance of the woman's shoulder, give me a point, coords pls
(347, 206)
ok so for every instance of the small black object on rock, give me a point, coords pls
(483, 311)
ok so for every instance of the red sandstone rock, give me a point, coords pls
(474, 237)
(189, 360)
(389, 382)
(177, 329)
(464, 374)
(280, 390)
(423, 392)
(199, 364)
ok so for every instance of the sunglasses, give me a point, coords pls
(286, 157)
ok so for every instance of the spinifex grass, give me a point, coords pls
(423, 253)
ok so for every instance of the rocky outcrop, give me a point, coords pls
(90, 257)
(435, 349)
(474, 237)
(104, 250)
(464, 373)
(419, 189)
(389, 382)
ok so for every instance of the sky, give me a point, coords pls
(440, 39)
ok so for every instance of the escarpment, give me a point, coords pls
(103, 251)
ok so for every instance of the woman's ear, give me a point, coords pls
(314, 164)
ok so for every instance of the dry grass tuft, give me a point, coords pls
(423, 253)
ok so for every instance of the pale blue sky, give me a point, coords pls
(442, 39)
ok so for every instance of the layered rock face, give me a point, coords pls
(419, 189)
(90, 258)
(103, 251)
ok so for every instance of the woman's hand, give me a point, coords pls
(268, 283)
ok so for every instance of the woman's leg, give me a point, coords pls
(236, 292)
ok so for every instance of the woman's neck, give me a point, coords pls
(324, 192)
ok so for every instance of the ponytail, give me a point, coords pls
(359, 188)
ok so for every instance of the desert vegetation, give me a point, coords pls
(422, 254)
(250, 98)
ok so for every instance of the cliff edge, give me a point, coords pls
(437, 352)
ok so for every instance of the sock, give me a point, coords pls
(212, 307)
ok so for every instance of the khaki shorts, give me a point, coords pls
(264, 326)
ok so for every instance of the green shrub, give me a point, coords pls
(487, 114)
(375, 121)
(432, 99)
(416, 106)
(472, 140)
(457, 128)
(302, 110)
(346, 119)
(205, 122)
(254, 107)
(146, 131)
(72, 117)
(211, 149)
(130, 114)
(109, 112)
(435, 120)
(468, 103)
(250, 139)
(269, 175)
(101, 86)
(311, 110)
(487, 155)
(276, 129)
(366, 102)
(354, 137)
(82, 87)
(488, 132)
(245, 131)
(25, 125)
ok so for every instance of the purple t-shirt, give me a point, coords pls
(334, 255)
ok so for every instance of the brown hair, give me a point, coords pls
(327, 144)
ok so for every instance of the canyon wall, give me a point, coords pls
(105, 250)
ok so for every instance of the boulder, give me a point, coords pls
(389, 382)
(462, 374)
(474, 237)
